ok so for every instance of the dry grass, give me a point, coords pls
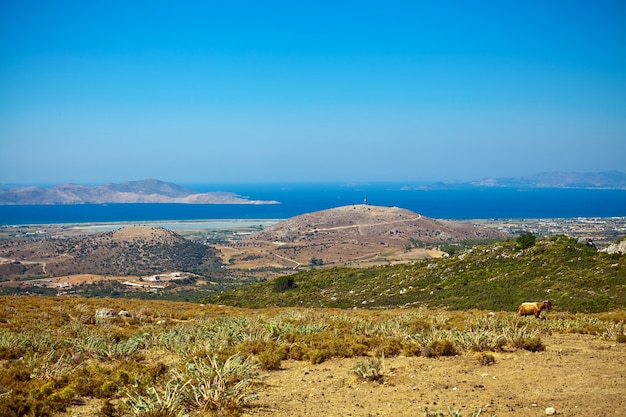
(169, 358)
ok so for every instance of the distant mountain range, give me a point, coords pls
(605, 179)
(599, 180)
(155, 191)
(145, 191)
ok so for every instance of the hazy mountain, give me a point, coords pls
(145, 191)
(605, 179)
(555, 179)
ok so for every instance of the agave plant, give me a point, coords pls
(167, 402)
(371, 369)
(215, 385)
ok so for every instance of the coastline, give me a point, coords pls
(178, 225)
(602, 230)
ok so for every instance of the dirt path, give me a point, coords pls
(362, 225)
(578, 375)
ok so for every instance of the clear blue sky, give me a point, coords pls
(236, 91)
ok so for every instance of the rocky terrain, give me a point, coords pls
(145, 191)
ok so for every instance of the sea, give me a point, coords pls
(300, 198)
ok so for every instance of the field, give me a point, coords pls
(113, 357)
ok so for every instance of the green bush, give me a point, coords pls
(284, 283)
(526, 240)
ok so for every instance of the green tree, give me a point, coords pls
(316, 262)
(526, 240)
(284, 283)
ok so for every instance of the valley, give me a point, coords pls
(255, 250)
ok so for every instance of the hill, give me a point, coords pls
(135, 250)
(145, 191)
(349, 235)
(499, 276)
(367, 222)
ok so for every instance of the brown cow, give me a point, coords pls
(527, 309)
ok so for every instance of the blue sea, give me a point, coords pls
(295, 199)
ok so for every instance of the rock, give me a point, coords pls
(550, 411)
(123, 313)
(619, 248)
(106, 312)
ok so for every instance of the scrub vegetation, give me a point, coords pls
(171, 359)
(497, 276)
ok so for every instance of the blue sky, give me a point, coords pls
(237, 91)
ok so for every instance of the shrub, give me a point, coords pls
(485, 358)
(215, 385)
(357, 349)
(272, 358)
(371, 369)
(525, 240)
(533, 344)
(317, 356)
(297, 351)
(10, 352)
(410, 348)
(108, 410)
(108, 389)
(155, 403)
(443, 348)
(284, 283)
(391, 346)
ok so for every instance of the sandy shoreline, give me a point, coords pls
(180, 224)
(167, 224)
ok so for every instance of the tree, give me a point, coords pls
(526, 240)
(316, 262)
(284, 283)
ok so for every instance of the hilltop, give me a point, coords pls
(357, 235)
(367, 222)
(498, 276)
(144, 191)
(134, 250)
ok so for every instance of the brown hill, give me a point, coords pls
(144, 191)
(349, 235)
(367, 222)
(135, 250)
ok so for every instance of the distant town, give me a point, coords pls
(602, 231)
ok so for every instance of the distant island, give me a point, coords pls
(614, 180)
(144, 191)
(155, 191)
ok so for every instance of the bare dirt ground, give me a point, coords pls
(578, 375)
(70, 280)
